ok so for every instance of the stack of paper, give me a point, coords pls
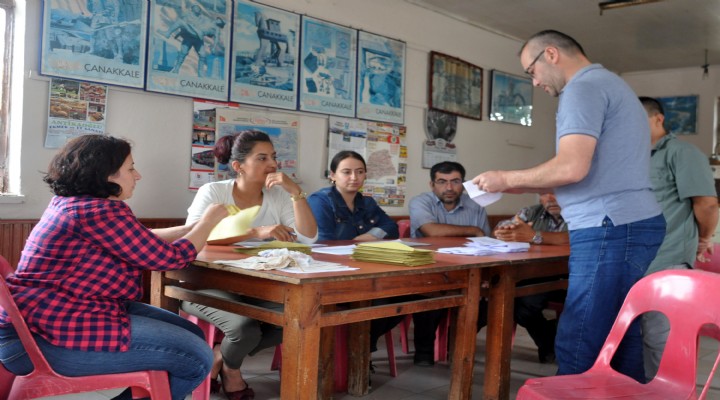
(235, 225)
(392, 253)
(482, 246)
(275, 244)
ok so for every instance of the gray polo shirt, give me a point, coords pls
(427, 208)
(679, 172)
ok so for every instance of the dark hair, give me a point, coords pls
(237, 146)
(652, 106)
(84, 164)
(447, 167)
(343, 155)
(556, 39)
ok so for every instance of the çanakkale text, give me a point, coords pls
(112, 71)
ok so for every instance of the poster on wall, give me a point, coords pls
(440, 129)
(381, 78)
(95, 40)
(202, 159)
(74, 109)
(264, 56)
(187, 45)
(680, 114)
(385, 151)
(281, 127)
(327, 68)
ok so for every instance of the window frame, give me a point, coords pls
(5, 94)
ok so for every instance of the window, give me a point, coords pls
(7, 8)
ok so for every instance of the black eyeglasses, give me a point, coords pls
(532, 64)
(443, 182)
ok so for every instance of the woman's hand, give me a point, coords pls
(365, 237)
(279, 178)
(214, 214)
(278, 232)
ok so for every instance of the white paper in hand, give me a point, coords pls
(481, 197)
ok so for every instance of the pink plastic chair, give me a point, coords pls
(44, 381)
(691, 301)
(404, 228)
(202, 392)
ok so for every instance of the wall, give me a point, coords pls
(160, 125)
(683, 82)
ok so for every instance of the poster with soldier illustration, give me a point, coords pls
(188, 41)
(95, 40)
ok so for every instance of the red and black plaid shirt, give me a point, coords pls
(81, 263)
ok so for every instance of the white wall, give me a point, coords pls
(160, 125)
(683, 82)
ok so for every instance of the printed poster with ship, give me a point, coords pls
(265, 53)
(386, 158)
(95, 40)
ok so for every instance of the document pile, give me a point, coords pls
(392, 253)
(275, 244)
(483, 246)
(287, 260)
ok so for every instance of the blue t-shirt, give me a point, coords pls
(336, 222)
(598, 103)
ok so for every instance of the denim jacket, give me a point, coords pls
(336, 222)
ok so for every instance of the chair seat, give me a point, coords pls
(614, 386)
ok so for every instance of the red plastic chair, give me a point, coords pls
(713, 264)
(43, 381)
(690, 300)
(404, 228)
(202, 392)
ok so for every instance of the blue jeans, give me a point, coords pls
(605, 262)
(160, 340)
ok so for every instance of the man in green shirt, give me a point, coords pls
(683, 185)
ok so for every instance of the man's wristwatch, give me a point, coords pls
(537, 239)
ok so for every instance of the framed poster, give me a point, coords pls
(264, 56)
(510, 98)
(381, 78)
(455, 86)
(95, 40)
(680, 114)
(327, 68)
(186, 48)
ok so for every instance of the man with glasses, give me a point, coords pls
(445, 211)
(601, 177)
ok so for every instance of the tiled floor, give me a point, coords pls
(424, 383)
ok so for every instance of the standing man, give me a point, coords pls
(600, 175)
(445, 211)
(684, 186)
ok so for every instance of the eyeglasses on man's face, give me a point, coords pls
(443, 182)
(530, 70)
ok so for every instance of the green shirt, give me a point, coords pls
(679, 171)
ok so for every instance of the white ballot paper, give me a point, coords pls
(481, 197)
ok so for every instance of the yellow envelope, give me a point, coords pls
(237, 224)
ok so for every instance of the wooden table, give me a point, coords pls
(315, 303)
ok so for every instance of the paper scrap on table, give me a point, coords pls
(236, 224)
(479, 196)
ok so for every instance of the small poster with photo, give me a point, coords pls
(75, 108)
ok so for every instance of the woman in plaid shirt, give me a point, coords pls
(80, 276)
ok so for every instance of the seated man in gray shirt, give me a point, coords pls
(446, 211)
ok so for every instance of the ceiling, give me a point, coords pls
(661, 35)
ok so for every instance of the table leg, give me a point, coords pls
(498, 345)
(301, 344)
(358, 358)
(465, 336)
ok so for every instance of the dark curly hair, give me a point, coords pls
(238, 146)
(84, 164)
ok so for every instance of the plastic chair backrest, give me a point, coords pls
(404, 228)
(689, 299)
(44, 381)
(713, 264)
